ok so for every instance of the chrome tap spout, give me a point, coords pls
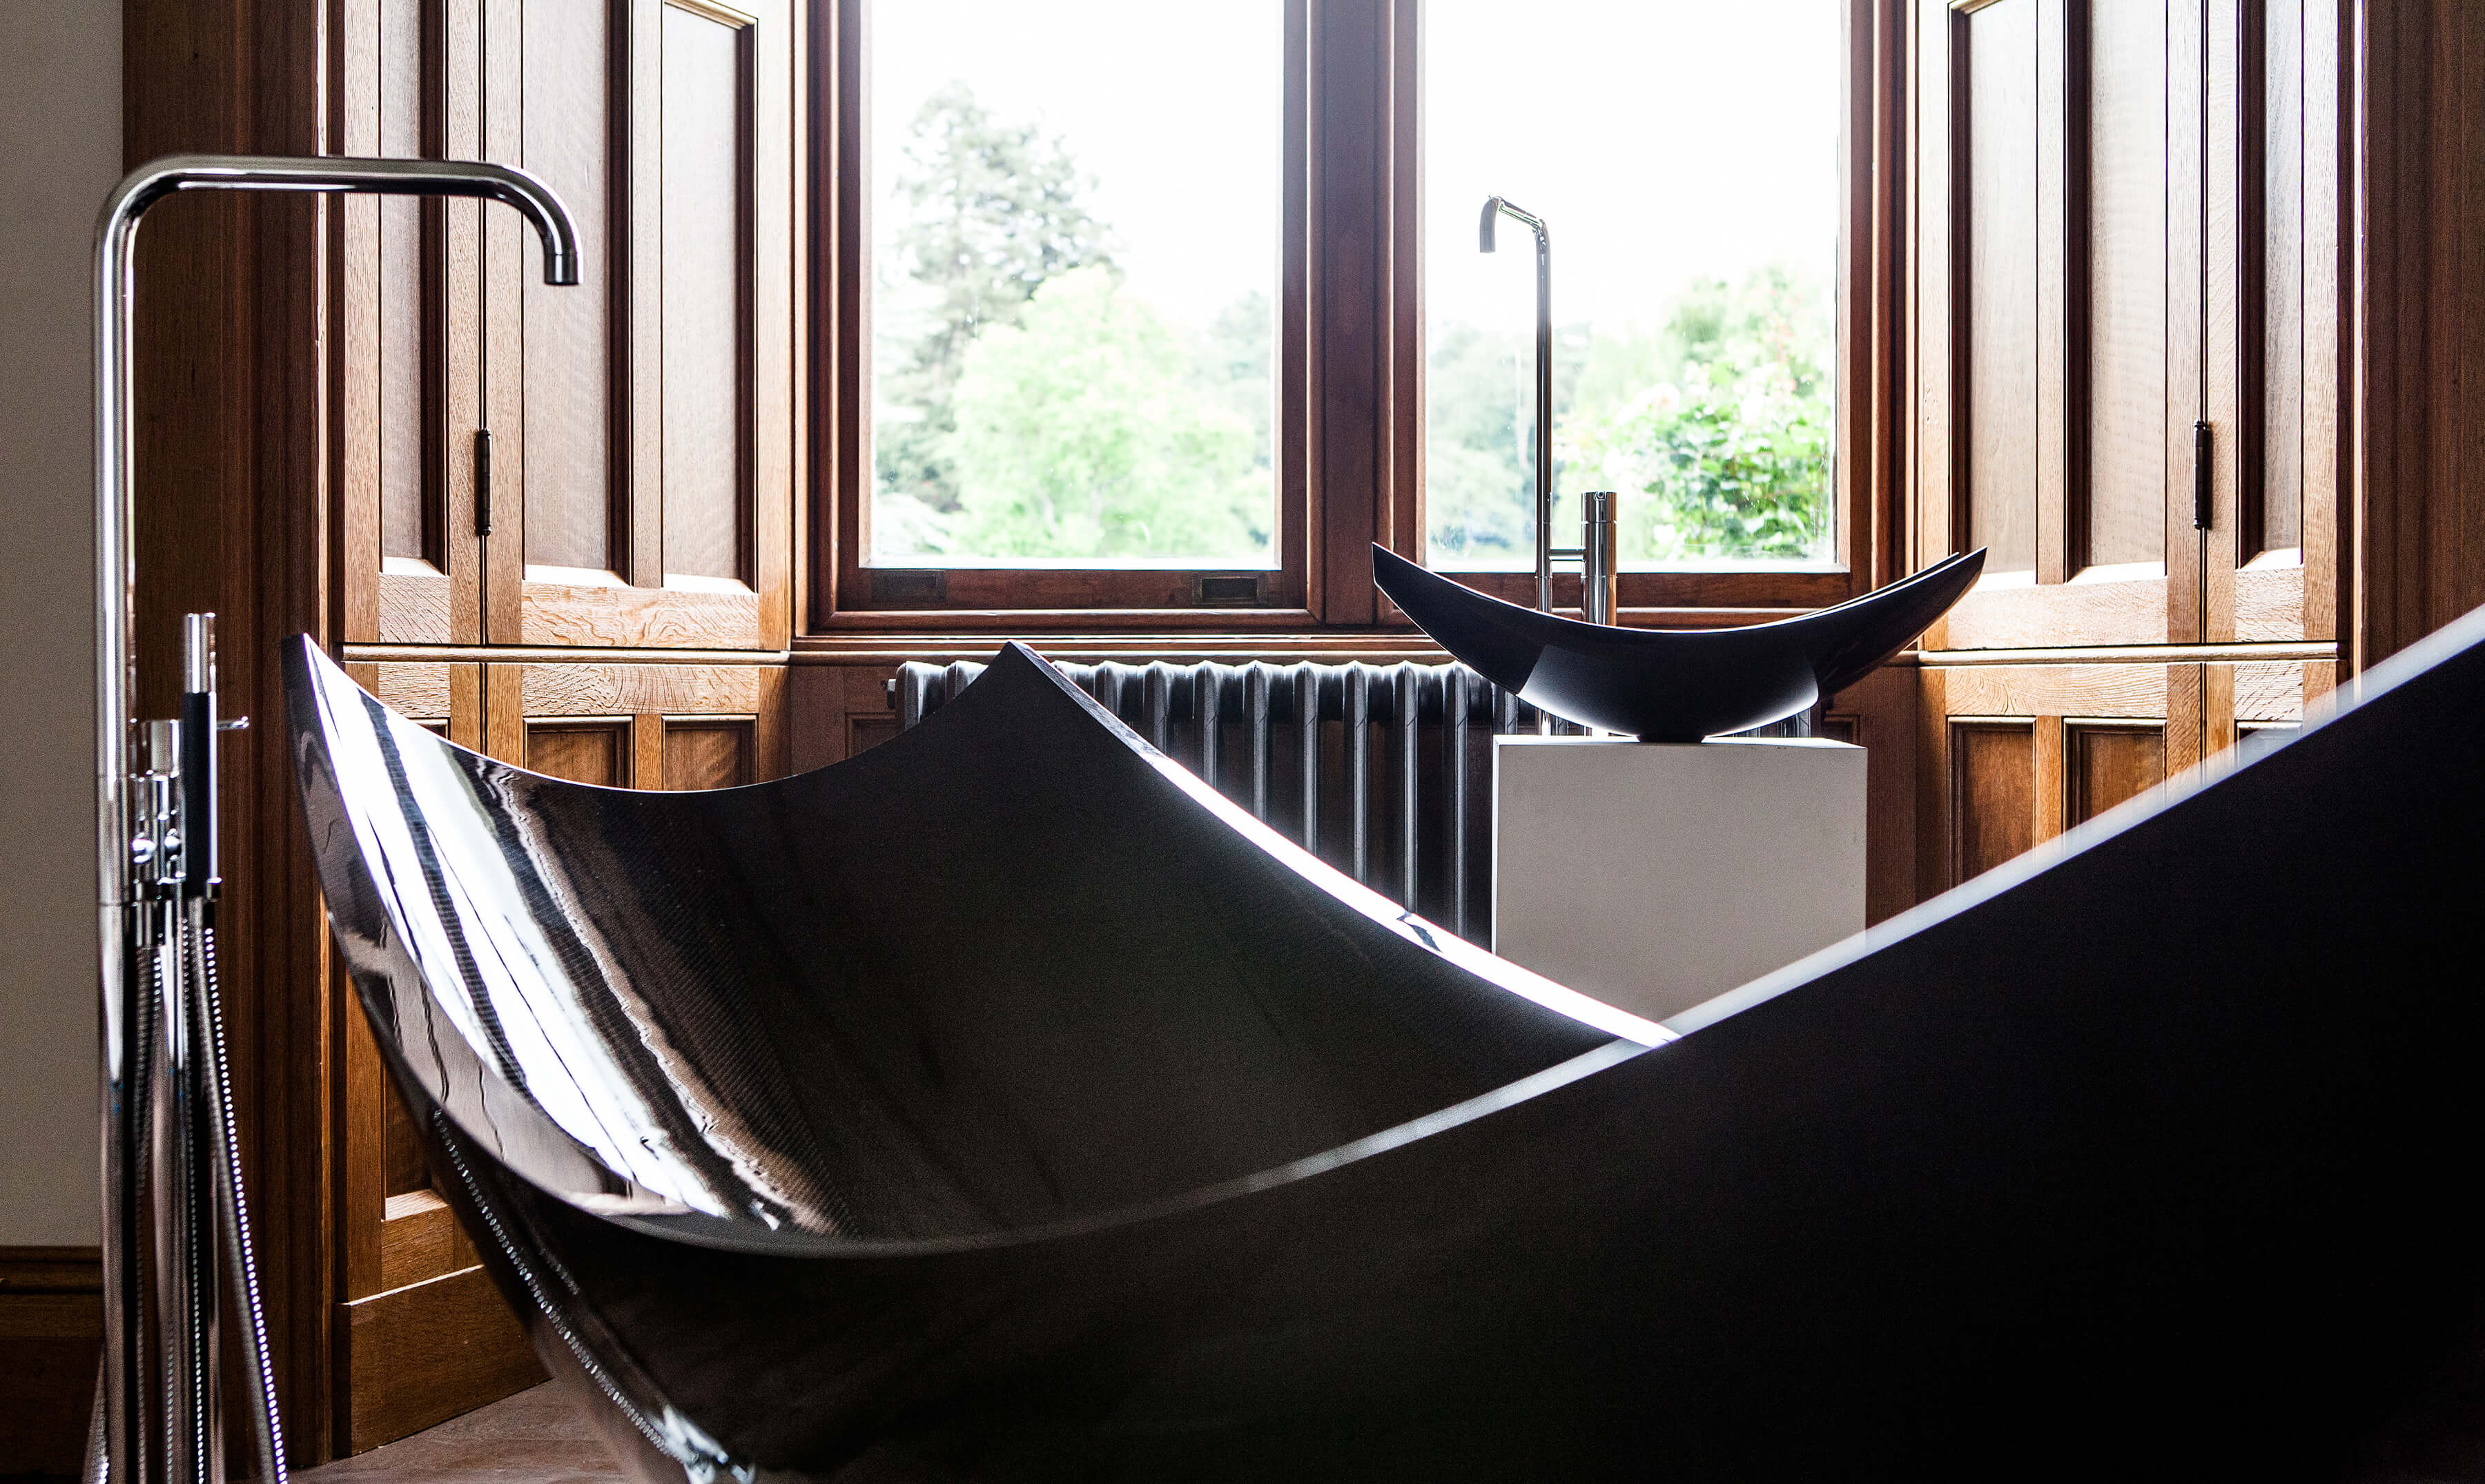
(157, 951)
(1493, 209)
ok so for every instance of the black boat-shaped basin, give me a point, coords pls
(1672, 685)
(1001, 1105)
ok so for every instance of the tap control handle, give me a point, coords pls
(198, 727)
(1600, 558)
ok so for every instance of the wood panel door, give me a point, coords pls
(641, 424)
(409, 378)
(641, 726)
(604, 465)
(2127, 352)
(2058, 226)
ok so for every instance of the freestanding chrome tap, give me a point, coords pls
(167, 1109)
(1595, 552)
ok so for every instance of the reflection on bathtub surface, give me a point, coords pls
(1003, 1104)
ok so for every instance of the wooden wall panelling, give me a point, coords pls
(2046, 383)
(2226, 196)
(1992, 786)
(2326, 149)
(836, 711)
(2108, 762)
(234, 486)
(51, 1332)
(643, 421)
(2419, 409)
(1878, 714)
(2003, 227)
(1351, 450)
(428, 1351)
(397, 1239)
(1935, 222)
(2122, 493)
(2186, 306)
(641, 726)
(2015, 741)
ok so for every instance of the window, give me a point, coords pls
(1074, 272)
(1136, 314)
(1684, 155)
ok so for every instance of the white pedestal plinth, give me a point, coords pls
(1656, 877)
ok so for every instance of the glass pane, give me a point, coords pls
(1685, 156)
(1075, 266)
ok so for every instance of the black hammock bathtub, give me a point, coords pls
(1003, 1104)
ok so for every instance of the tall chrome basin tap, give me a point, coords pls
(163, 1071)
(1596, 552)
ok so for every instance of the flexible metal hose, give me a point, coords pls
(235, 1209)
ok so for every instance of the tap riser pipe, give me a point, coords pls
(1495, 207)
(158, 1389)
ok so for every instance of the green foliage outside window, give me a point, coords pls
(1730, 455)
(1031, 407)
(1044, 412)
(1716, 429)
(1085, 430)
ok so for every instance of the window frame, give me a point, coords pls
(1349, 425)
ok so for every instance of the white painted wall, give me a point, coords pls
(60, 152)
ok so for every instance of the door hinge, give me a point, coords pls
(482, 482)
(2203, 461)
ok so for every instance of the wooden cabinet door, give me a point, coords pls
(2058, 222)
(641, 422)
(2126, 360)
(408, 316)
(641, 726)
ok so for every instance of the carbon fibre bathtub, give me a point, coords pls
(1003, 1105)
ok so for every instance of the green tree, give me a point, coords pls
(1085, 430)
(991, 214)
(1729, 455)
(1479, 441)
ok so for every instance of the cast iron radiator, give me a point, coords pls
(1408, 815)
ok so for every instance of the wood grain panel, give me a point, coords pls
(2125, 498)
(2269, 603)
(1995, 616)
(594, 613)
(52, 1331)
(708, 754)
(707, 295)
(1936, 242)
(2109, 764)
(426, 1353)
(2272, 692)
(415, 607)
(1992, 794)
(2279, 285)
(2002, 231)
(2229, 383)
(418, 692)
(2326, 154)
(620, 690)
(2055, 689)
(420, 1240)
(410, 519)
(401, 1158)
(565, 95)
(2186, 62)
(580, 753)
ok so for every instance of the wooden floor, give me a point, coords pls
(537, 1436)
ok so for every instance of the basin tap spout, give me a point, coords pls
(185, 1269)
(1494, 209)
